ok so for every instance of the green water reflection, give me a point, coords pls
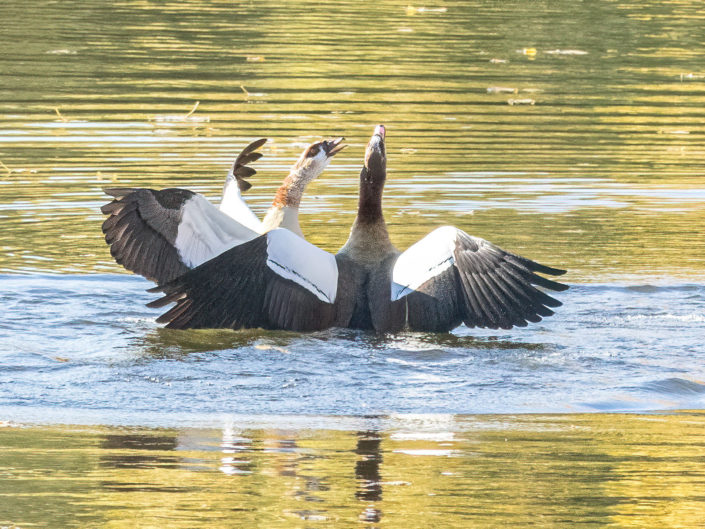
(425, 471)
(602, 173)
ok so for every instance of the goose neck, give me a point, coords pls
(290, 192)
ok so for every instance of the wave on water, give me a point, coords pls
(83, 343)
(675, 386)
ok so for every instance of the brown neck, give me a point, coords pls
(290, 192)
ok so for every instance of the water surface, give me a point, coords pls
(569, 132)
(93, 353)
(445, 471)
(601, 174)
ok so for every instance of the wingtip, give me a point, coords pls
(252, 147)
(548, 283)
(257, 144)
(240, 169)
(243, 185)
(537, 267)
(164, 319)
(118, 192)
(157, 303)
(562, 287)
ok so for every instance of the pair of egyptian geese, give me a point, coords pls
(223, 268)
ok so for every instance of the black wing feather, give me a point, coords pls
(486, 287)
(238, 290)
(143, 223)
(246, 156)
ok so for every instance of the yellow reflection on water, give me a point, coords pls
(426, 471)
(83, 109)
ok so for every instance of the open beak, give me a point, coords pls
(333, 147)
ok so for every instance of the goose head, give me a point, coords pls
(315, 158)
(374, 172)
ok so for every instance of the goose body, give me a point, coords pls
(161, 234)
(281, 281)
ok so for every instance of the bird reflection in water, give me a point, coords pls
(369, 480)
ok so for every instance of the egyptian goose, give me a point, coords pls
(162, 234)
(283, 282)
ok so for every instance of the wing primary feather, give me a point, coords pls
(119, 230)
(536, 267)
(547, 283)
(117, 215)
(251, 147)
(250, 158)
(244, 171)
(247, 155)
(113, 208)
(117, 247)
(243, 185)
(527, 279)
(488, 304)
(136, 257)
(480, 318)
(466, 265)
(536, 298)
(118, 192)
(511, 311)
(517, 283)
(179, 316)
(165, 300)
(499, 312)
(519, 309)
(169, 315)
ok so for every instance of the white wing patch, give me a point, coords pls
(291, 257)
(233, 205)
(205, 232)
(423, 260)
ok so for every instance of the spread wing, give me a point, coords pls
(232, 203)
(276, 281)
(449, 277)
(162, 234)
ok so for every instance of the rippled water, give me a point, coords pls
(100, 357)
(569, 132)
(440, 471)
(603, 173)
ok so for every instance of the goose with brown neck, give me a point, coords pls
(284, 211)
(280, 281)
(162, 234)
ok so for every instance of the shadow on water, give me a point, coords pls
(169, 343)
(164, 343)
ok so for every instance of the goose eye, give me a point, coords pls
(313, 151)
